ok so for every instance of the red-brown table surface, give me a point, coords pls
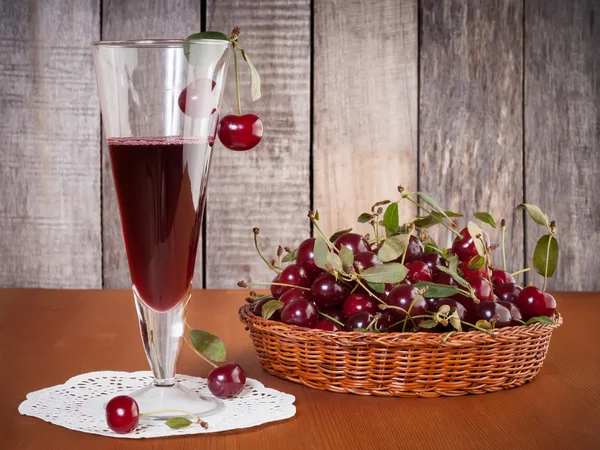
(48, 336)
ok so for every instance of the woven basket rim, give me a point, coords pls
(420, 338)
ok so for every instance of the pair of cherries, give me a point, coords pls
(236, 132)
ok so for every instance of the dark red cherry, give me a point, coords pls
(257, 308)
(533, 302)
(226, 381)
(404, 296)
(240, 133)
(482, 287)
(293, 275)
(365, 260)
(326, 291)
(122, 414)
(418, 271)
(493, 311)
(199, 98)
(469, 305)
(483, 271)
(462, 312)
(358, 302)
(305, 258)
(301, 312)
(387, 323)
(464, 247)
(432, 304)
(500, 277)
(444, 278)
(294, 294)
(334, 313)
(327, 325)
(508, 292)
(387, 289)
(433, 260)
(361, 320)
(355, 242)
(414, 250)
(515, 313)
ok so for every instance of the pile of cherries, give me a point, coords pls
(314, 298)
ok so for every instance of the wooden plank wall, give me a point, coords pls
(481, 104)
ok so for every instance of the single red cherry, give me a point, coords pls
(433, 260)
(305, 258)
(482, 287)
(418, 271)
(444, 278)
(387, 322)
(257, 308)
(508, 292)
(365, 260)
(533, 302)
(355, 242)
(469, 305)
(293, 275)
(122, 414)
(359, 302)
(515, 313)
(360, 320)
(500, 277)
(464, 246)
(334, 313)
(327, 325)
(404, 296)
(462, 312)
(240, 133)
(432, 304)
(483, 271)
(327, 292)
(301, 312)
(294, 294)
(414, 250)
(199, 98)
(492, 311)
(226, 381)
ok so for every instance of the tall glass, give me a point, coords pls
(160, 106)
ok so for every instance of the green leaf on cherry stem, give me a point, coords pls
(176, 423)
(208, 35)
(427, 323)
(320, 253)
(455, 276)
(541, 319)
(486, 218)
(541, 251)
(346, 256)
(476, 262)
(386, 273)
(475, 230)
(269, 308)
(393, 247)
(187, 49)
(291, 256)
(437, 290)
(255, 86)
(364, 218)
(337, 234)
(335, 261)
(381, 203)
(405, 228)
(452, 261)
(453, 214)
(208, 344)
(377, 287)
(536, 213)
(431, 202)
(361, 330)
(391, 220)
(484, 324)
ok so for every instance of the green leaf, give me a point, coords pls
(484, 324)
(455, 321)
(377, 287)
(208, 344)
(536, 213)
(255, 84)
(291, 256)
(437, 290)
(476, 262)
(381, 203)
(391, 220)
(337, 234)
(208, 35)
(361, 330)
(269, 308)
(453, 214)
(427, 323)
(455, 276)
(320, 252)
(541, 252)
(317, 214)
(334, 261)
(346, 256)
(199, 51)
(404, 228)
(431, 202)
(475, 230)
(452, 260)
(364, 218)
(386, 273)
(177, 423)
(486, 218)
(541, 319)
(393, 247)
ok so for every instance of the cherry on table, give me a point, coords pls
(240, 133)
(293, 275)
(481, 287)
(359, 302)
(359, 320)
(508, 292)
(355, 242)
(327, 292)
(493, 311)
(500, 277)
(301, 312)
(305, 258)
(122, 414)
(418, 271)
(464, 246)
(226, 381)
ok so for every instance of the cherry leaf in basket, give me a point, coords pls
(337, 234)
(476, 262)
(269, 308)
(386, 273)
(427, 323)
(291, 256)
(320, 253)
(484, 324)
(545, 255)
(208, 344)
(541, 319)
(536, 213)
(364, 218)
(437, 290)
(334, 261)
(452, 261)
(177, 423)
(377, 287)
(454, 320)
(391, 220)
(455, 276)
(476, 232)
(346, 256)
(393, 247)
(486, 217)
(381, 203)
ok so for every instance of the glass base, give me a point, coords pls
(166, 402)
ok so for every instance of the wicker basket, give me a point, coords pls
(400, 364)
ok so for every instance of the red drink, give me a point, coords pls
(161, 185)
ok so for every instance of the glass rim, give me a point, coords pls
(157, 43)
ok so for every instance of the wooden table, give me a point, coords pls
(48, 336)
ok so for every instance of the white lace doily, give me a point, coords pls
(79, 405)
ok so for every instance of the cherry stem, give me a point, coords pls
(205, 358)
(518, 272)
(476, 327)
(235, 69)
(271, 266)
(408, 312)
(406, 196)
(332, 319)
(273, 284)
(369, 291)
(318, 228)
(503, 227)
